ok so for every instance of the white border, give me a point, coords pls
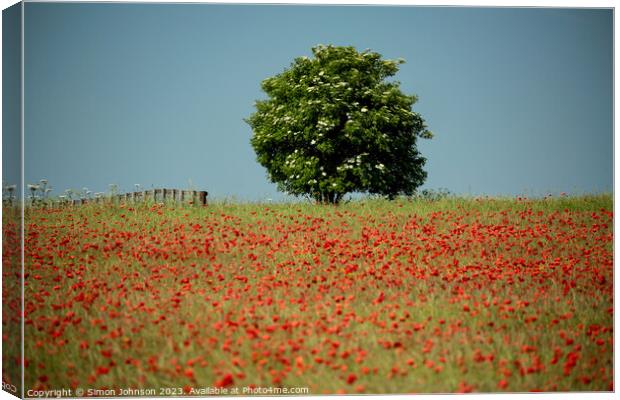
(478, 3)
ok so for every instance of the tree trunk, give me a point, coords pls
(328, 198)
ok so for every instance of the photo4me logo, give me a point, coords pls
(247, 390)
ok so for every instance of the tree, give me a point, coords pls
(333, 125)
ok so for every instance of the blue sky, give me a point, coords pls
(520, 100)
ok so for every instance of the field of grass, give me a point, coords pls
(452, 295)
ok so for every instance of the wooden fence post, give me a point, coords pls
(186, 196)
(202, 198)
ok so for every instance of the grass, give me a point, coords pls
(372, 296)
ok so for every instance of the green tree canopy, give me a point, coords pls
(333, 124)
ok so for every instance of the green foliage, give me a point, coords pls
(333, 125)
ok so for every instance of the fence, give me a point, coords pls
(192, 197)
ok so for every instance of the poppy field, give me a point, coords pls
(372, 296)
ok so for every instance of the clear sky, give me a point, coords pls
(520, 100)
